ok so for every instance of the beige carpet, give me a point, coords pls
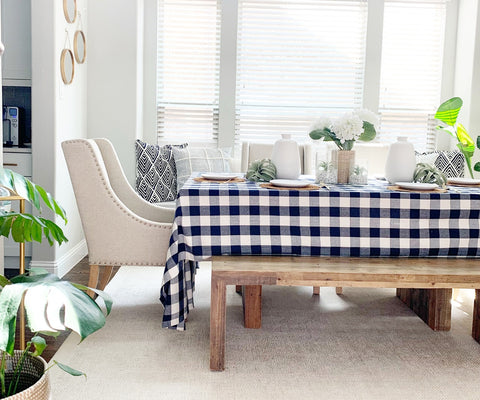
(363, 345)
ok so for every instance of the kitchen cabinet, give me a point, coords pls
(17, 38)
(18, 160)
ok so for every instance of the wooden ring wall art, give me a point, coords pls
(70, 10)
(67, 66)
(79, 47)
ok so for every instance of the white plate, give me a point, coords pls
(464, 181)
(416, 185)
(219, 176)
(291, 183)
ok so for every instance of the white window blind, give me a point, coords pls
(411, 70)
(187, 70)
(296, 61)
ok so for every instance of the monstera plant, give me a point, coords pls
(448, 114)
(50, 304)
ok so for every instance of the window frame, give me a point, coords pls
(228, 66)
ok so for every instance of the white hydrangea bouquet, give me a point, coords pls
(345, 130)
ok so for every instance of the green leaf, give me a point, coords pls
(478, 142)
(70, 370)
(4, 281)
(51, 304)
(40, 344)
(27, 227)
(30, 191)
(107, 299)
(17, 229)
(27, 230)
(448, 111)
(324, 134)
(369, 132)
(10, 298)
(6, 225)
(477, 167)
(464, 138)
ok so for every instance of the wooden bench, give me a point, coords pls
(424, 284)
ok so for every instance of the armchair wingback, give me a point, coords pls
(120, 228)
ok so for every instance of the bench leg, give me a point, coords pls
(252, 306)
(316, 290)
(476, 316)
(218, 324)
(431, 305)
(339, 290)
(238, 289)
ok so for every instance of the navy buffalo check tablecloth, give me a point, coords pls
(344, 220)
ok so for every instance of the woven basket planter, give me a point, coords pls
(33, 384)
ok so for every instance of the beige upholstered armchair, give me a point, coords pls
(120, 227)
(252, 151)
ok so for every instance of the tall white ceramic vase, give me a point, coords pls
(286, 157)
(401, 162)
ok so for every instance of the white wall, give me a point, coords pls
(115, 75)
(467, 68)
(59, 112)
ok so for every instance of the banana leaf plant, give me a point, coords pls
(448, 114)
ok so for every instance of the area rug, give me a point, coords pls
(364, 344)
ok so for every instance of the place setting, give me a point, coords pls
(290, 184)
(417, 187)
(463, 182)
(219, 177)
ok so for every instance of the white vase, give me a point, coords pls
(401, 162)
(286, 157)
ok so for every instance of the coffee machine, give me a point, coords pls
(11, 126)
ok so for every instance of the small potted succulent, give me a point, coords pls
(50, 304)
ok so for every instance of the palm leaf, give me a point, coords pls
(27, 228)
(448, 111)
(30, 191)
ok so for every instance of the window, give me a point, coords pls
(411, 70)
(290, 62)
(296, 60)
(187, 70)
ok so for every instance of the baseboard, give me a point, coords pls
(65, 263)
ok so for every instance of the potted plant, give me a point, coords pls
(447, 113)
(50, 304)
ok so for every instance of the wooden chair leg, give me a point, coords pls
(106, 276)
(339, 290)
(93, 279)
(316, 290)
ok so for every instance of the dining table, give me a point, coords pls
(239, 217)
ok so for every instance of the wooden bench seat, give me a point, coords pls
(425, 284)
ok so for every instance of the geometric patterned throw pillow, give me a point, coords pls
(156, 174)
(451, 163)
(199, 159)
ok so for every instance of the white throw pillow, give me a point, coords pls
(199, 159)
